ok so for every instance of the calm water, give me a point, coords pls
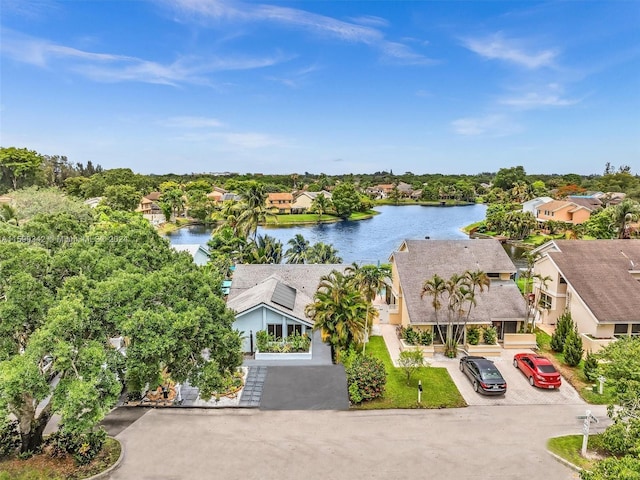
(367, 241)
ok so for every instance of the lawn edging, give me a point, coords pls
(564, 461)
(112, 467)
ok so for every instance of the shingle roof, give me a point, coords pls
(599, 272)
(425, 258)
(280, 196)
(254, 284)
(591, 203)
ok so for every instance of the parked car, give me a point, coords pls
(539, 370)
(484, 375)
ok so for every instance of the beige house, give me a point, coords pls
(149, 204)
(598, 281)
(563, 211)
(416, 261)
(280, 201)
(216, 194)
(304, 200)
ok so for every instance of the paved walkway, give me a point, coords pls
(252, 391)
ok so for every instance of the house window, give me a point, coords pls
(493, 275)
(621, 329)
(295, 328)
(635, 329)
(275, 329)
(545, 301)
(562, 281)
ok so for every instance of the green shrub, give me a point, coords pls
(622, 438)
(426, 338)
(451, 348)
(82, 447)
(9, 438)
(563, 327)
(369, 377)
(490, 335)
(411, 336)
(262, 340)
(591, 367)
(573, 350)
(473, 336)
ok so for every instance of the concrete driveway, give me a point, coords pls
(519, 392)
(465, 443)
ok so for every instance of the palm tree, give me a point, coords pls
(338, 311)
(322, 253)
(471, 280)
(320, 205)
(369, 279)
(435, 288)
(253, 209)
(264, 249)
(623, 214)
(299, 247)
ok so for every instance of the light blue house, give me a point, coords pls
(198, 252)
(274, 298)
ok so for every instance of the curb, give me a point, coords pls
(117, 463)
(566, 463)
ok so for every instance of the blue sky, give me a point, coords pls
(324, 86)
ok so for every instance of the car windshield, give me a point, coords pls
(546, 368)
(490, 373)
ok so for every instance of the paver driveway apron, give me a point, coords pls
(519, 392)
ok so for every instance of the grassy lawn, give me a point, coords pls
(569, 447)
(300, 218)
(43, 466)
(574, 375)
(439, 391)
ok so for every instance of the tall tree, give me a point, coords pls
(623, 214)
(338, 311)
(297, 251)
(19, 165)
(320, 205)
(346, 199)
(322, 253)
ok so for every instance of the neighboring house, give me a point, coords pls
(231, 196)
(416, 261)
(598, 281)
(149, 204)
(589, 201)
(563, 211)
(304, 200)
(416, 194)
(280, 201)
(405, 189)
(273, 297)
(610, 198)
(216, 194)
(199, 253)
(531, 206)
(91, 202)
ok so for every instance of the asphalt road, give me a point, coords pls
(478, 442)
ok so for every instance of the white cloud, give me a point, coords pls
(533, 100)
(105, 67)
(490, 125)
(192, 122)
(225, 10)
(496, 47)
(370, 20)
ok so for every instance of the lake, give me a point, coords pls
(371, 240)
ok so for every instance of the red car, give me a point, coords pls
(540, 371)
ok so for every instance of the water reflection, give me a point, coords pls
(373, 240)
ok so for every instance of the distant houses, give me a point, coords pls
(303, 201)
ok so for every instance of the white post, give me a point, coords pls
(419, 391)
(601, 379)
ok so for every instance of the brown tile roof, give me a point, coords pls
(598, 270)
(556, 205)
(280, 196)
(424, 258)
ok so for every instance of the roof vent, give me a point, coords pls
(284, 295)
